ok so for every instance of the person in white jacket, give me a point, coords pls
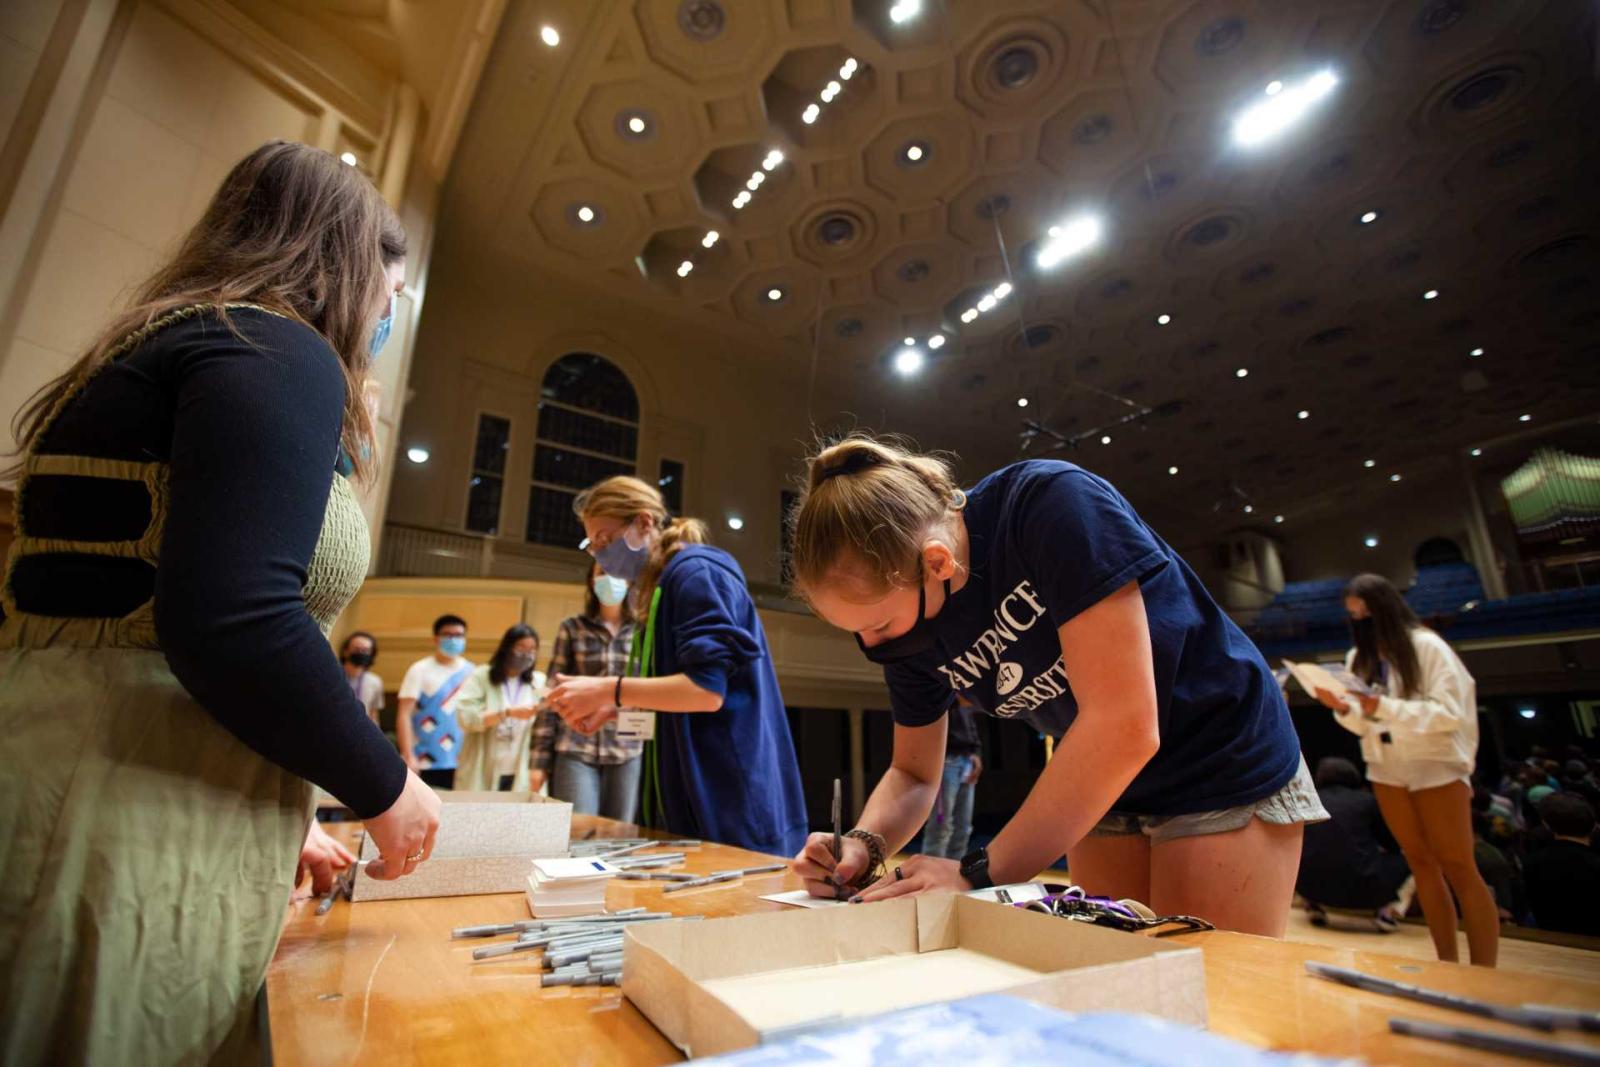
(1419, 738)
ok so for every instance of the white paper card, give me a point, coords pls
(636, 725)
(800, 898)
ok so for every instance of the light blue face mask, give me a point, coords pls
(380, 335)
(609, 589)
(452, 646)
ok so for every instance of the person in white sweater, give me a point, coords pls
(1419, 738)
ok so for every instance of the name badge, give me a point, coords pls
(636, 725)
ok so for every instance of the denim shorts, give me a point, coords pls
(1295, 802)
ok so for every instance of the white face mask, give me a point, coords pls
(609, 590)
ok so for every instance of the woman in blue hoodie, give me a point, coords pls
(727, 769)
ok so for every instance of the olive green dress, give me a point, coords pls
(114, 949)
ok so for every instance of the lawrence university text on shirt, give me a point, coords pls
(1049, 540)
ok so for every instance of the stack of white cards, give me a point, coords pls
(568, 886)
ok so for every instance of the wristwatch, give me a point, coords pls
(975, 868)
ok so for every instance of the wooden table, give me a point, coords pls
(381, 982)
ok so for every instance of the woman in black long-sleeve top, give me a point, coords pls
(185, 536)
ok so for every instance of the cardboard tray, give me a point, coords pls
(486, 843)
(682, 976)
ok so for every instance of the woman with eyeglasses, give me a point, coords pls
(727, 769)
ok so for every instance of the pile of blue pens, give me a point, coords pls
(583, 950)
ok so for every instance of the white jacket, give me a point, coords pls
(1440, 724)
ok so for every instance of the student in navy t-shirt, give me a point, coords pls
(1040, 595)
(727, 765)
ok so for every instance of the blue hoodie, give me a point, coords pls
(728, 775)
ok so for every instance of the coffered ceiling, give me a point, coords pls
(1469, 128)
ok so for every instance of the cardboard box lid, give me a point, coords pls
(1078, 965)
(496, 824)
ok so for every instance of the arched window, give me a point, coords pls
(588, 430)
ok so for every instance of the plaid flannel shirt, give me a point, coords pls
(584, 646)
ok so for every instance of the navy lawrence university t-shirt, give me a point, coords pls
(1049, 540)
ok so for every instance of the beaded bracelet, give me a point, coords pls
(877, 853)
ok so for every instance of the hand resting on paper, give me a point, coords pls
(919, 874)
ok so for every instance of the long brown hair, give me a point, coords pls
(1390, 641)
(626, 498)
(292, 230)
(875, 499)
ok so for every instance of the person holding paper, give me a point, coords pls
(596, 773)
(495, 712)
(1040, 594)
(1419, 738)
(726, 765)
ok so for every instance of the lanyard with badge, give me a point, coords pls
(641, 664)
(506, 728)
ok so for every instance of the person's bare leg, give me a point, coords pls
(1112, 865)
(1446, 817)
(1240, 880)
(1438, 908)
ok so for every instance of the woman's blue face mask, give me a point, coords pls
(380, 335)
(624, 556)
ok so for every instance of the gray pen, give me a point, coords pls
(1530, 1048)
(1372, 983)
(711, 879)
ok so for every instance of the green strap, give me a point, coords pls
(641, 664)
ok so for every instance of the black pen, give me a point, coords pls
(1548, 1051)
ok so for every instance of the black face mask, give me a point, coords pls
(923, 635)
(360, 659)
(1365, 634)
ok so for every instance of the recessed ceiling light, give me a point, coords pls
(585, 213)
(908, 361)
(685, 267)
(735, 522)
(1477, 451)
(1022, 401)
(1527, 713)
(1430, 294)
(1476, 352)
(1370, 542)
(1524, 418)
(1277, 518)
(1302, 414)
(1002, 291)
(969, 314)
(1262, 122)
(349, 159)
(775, 294)
(988, 301)
(848, 69)
(904, 11)
(1368, 217)
(417, 454)
(1069, 239)
(1249, 509)
(1162, 320)
(936, 341)
(1274, 88)
(909, 341)
(709, 239)
(549, 36)
(1242, 372)
(1105, 439)
(1369, 463)
(1394, 477)
(636, 124)
(832, 89)
(809, 115)
(774, 158)
(1172, 470)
